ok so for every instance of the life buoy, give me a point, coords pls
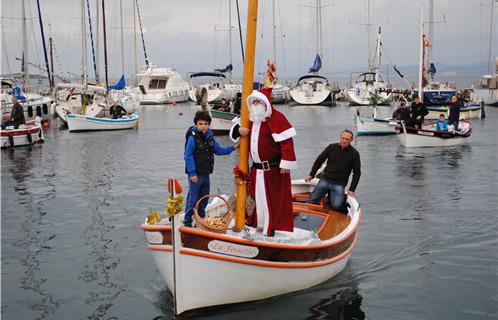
(45, 109)
(38, 111)
(30, 139)
(30, 111)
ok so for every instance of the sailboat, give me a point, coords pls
(236, 263)
(90, 121)
(370, 83)
(434, 92)
(314, 89)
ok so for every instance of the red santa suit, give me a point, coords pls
(271, 140)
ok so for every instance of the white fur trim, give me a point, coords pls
(289, 133)
(236, 124)
(263, 214)
(285, 164)
(258, 95)
(255, 141)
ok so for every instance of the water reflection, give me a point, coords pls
(34, 236)
(343, 305)
(100, 262)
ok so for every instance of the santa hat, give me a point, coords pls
(264, 95)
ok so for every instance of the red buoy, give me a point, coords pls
(46, 125)
(180, 113)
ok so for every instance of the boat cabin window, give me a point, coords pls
(157, 83)
(484, 83)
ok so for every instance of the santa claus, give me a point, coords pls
(272, 152)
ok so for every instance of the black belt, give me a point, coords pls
(266, 165)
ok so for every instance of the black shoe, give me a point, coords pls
(271, 234)
(187, 224)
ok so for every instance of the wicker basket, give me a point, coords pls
(202, 223)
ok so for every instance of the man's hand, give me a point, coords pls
(194, 179)
(236, 146)
(419, 117)
(284, 171)
(351, 193)
(243, 131)
(308, 178)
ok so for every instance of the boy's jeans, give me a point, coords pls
(195, 192)
(335, 191)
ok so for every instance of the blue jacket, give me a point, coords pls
(190, 148)
(441, 125)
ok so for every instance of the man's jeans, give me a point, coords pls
(335, 191)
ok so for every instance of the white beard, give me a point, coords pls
(257, 113)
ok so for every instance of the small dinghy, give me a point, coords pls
(27, 134)
(427, 136)
(374, 126)
(76, 122)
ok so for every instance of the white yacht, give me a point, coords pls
(161, 86)
(34, 105)
(76, 98)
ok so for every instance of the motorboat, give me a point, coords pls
(161, 86)
(427, 136)
(374, 126)
(27, 134)
(365, 87)
(211, 84)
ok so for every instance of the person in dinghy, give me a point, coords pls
(272, 152)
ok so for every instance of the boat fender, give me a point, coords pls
(30, 111)
(45, 109)
(11, 141)
(30, 139)
(38, 111)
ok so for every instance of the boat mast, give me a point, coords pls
(421, 56)
(369, 35)
(377, 55)
(83, 45)
(50, 82)
(25, 48)
(135, 51)
(230, 37)
(97, 44)
(430, 36)
(122, 37)
(91, 39)
(105, 50)
(240, 205)
(50, 43)
(274, 35)
(491, 36)
(240, 30)
(142, 34)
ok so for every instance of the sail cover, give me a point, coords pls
(316, 65)
(432, 69)
(120, 85)
(226, 69)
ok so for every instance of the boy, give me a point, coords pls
(441, 124)
(200, 148)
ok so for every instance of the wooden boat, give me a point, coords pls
(76, 122)
(427, 136)
(201, 268)
(27, 134)
(221, 121)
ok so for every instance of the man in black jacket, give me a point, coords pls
(417, 113)
(16, 115)
(342, 158)
(456, 104)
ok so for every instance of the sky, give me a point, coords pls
(192, 35)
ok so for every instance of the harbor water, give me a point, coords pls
(71, 208)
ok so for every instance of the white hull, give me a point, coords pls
(372, 126)
(85, 123)
(34, 106)
(307, 96)
(221, 122)
(163, 97)
(20, 136)
(489, 96)
(429, 138)
(228, 272)
(362, 97)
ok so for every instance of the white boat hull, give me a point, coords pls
(221, 122)
(84, 123)
(306, 96)
(372, 126)
(489, 96)
(362, 98)
(163, 97)
(19, 137)
(469, 111)
(430, 138)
